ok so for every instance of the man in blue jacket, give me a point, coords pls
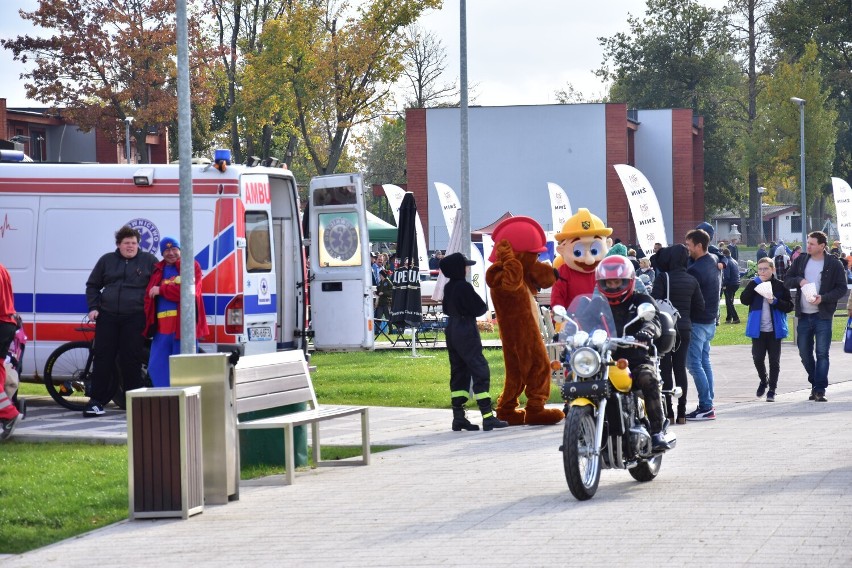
(705, 269)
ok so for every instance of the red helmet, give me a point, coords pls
(619, 268)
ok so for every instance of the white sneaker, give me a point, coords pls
(93, 410)
(8, 426)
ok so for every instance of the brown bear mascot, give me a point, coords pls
(514, 278)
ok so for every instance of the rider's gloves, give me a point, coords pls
(644, 336)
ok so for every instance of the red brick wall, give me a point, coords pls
(683, 186)
(698, 170)
(617, 216)
(106, 151)
(416, 161)
(5, 124)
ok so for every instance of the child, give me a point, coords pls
(462, 305)
(766, 324)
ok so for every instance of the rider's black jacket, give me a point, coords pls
(623, 313)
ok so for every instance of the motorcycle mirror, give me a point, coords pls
(646, 311)
(559, 313)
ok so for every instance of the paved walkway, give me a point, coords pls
(765, 484)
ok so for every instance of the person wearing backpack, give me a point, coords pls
(683, 291)
(766, 325)
(730, 285)
(782, 263)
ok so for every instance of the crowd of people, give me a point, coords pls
(132, 296)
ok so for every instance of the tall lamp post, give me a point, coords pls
(760, 191)
(801, 103)
(128, 120)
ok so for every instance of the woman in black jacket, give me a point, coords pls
(683, 291)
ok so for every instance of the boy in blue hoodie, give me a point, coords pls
(462, 305)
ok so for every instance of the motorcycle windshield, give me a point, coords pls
(589, 313)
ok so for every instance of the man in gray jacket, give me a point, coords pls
(815, 311)
(115, 293)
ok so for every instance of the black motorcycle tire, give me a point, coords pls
(582, 467)
(647, 471)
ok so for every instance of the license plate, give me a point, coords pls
(260, 333)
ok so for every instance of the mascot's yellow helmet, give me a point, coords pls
(583, 224)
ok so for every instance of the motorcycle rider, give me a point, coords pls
(616, 281)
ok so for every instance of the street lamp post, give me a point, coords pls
(760, 191)
(801, 103)
(127, 122)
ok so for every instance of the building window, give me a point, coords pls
(795, 223)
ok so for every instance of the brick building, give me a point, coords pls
(47, 136)
(516, 150)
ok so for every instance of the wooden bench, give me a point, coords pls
(283, 378)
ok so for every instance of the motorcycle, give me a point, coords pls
(605, 425)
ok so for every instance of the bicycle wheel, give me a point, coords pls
(67, 374)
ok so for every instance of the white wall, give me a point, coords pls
(514, 152)
(653, 154)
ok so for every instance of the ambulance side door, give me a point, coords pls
(341, 280)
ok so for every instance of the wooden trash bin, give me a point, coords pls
(165, 467)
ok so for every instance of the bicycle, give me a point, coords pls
(68, 372)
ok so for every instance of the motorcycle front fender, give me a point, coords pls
(581, 402)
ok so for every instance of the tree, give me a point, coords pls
(828, 24)
(425, 61)
(109, 60)
(333, 72)
(778, 130)
(748, 23)
(384, 161)
(681, 55)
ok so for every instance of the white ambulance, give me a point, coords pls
(56, 220)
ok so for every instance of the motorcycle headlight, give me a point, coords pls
(585, 362)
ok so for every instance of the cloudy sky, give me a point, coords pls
(519, 53)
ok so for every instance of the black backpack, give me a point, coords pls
(781, 265)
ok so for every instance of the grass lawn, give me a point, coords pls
(53, 491)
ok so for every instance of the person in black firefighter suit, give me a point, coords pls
(615, 280)
(462, 305)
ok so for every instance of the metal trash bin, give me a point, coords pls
(214, 373)
(165, 469)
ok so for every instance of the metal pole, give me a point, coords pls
(127, 121)
(801, 103)
(187, 266)
(465, 167)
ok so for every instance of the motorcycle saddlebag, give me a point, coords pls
(666, 341)
(595, 390)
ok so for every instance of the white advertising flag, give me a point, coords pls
(449, 205)
(647, 217)
(843, 205)
(560, 206)
(453, 246)
(394, 193)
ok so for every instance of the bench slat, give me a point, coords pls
(249, 374)
(274, 385)
(301, 418)
(273, 400)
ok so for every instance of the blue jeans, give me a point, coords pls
(810, 328)
(698, 362)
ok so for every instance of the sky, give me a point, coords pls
(519, 53)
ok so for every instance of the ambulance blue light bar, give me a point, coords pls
(11, 156)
